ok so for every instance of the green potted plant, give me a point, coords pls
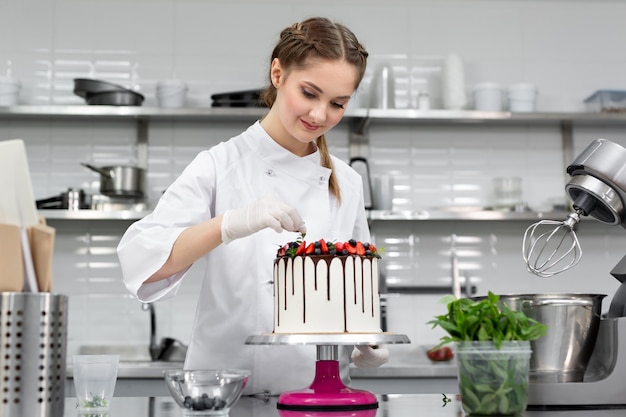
(492, 351)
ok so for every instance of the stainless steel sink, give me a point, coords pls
(146, 369)
(127, 353)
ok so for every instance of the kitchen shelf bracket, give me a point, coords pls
(359, 137)
(142, 143)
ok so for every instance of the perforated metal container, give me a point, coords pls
(33, 329)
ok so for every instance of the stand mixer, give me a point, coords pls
(598, 189)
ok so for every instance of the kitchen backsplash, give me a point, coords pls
(215, 48)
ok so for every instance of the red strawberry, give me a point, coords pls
(323, 246)
(282, 251)
(351, 249)
(339, 246)
(309, 249)
(301, 248)
(360, 249)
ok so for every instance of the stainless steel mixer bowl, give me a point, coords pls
(573, 320)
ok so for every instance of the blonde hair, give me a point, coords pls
(318, 37)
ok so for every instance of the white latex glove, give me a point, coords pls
(266, 212)
(364, 356)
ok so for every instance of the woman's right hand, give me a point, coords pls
(266, 212)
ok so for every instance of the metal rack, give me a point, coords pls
(359, 121)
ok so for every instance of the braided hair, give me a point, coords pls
(318, 37)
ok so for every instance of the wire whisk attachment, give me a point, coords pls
(551, 247)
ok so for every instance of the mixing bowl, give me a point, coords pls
(207, 391)
(573, 320)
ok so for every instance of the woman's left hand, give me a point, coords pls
(365, 356)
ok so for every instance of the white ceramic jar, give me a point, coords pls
(171, 93)
(488, 97)
(522, 98)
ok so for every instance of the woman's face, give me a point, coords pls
(309, 102)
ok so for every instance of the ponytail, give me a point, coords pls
(327, 162)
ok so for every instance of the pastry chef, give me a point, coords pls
(236, 203)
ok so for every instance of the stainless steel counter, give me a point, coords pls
(408, 362)
(431, 405)
(409, 371)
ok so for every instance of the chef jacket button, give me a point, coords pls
(322, 180)
(270, 172)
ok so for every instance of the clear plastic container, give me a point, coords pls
(606, 101)
(501, 374)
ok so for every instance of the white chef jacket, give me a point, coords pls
(236, 299)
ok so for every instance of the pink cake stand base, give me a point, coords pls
(326, 393)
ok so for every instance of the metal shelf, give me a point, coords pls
(383, 115)
(131, 112)
(473, 117)
(469, 215)
(373, 215)
(92, 214)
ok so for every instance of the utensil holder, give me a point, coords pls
(32, 354)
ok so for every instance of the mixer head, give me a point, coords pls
(598, 182)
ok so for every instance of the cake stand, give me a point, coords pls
(327, 392)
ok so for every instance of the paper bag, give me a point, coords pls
(41, 238)
(11, 264)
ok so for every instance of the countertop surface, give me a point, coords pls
(408, 362)
(431, 405)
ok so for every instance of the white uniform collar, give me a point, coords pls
(307, 168)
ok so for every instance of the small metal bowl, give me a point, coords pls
(208, 391)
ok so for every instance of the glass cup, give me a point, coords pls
(94, 381)
(507, 192)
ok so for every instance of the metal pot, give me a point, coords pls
(573, 321)
(120, 180)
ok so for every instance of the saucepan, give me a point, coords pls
(120, 180)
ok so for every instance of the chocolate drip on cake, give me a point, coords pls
(289, 266)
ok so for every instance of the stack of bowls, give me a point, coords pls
(9, 90)
(522, 98)
(171, 93)
(488, 97)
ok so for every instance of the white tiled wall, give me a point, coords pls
(567, 48)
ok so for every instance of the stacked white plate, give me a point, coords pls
(9, 91)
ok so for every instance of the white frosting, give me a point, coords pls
(329, 294)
